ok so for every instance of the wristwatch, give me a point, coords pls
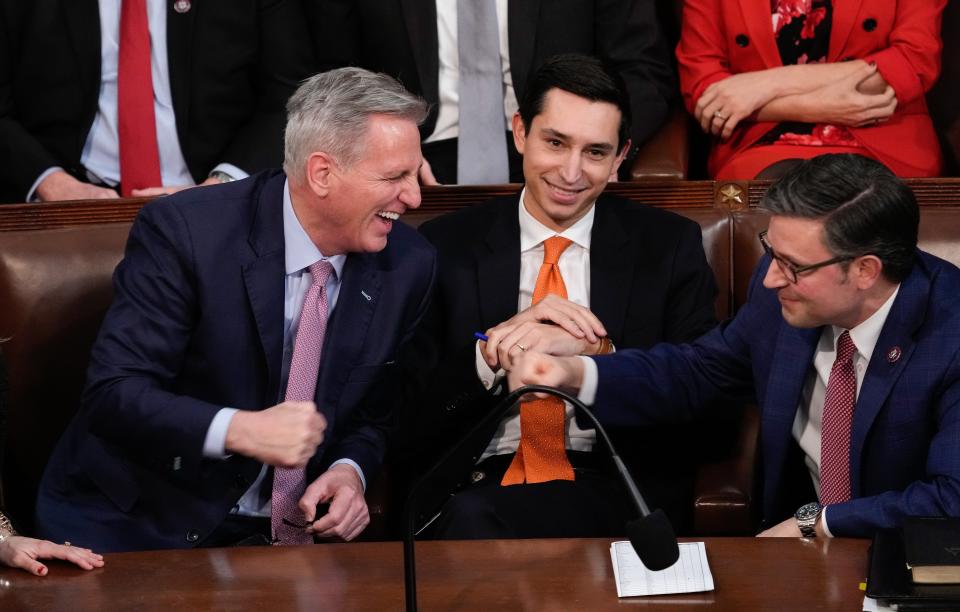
(221, 176)
(6, 528)
(807, 517)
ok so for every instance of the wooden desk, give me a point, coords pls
(750, 575)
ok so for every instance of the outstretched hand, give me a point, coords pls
(24, 553)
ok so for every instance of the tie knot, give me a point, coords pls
(553, 248)
(321, 271)
(845, 346)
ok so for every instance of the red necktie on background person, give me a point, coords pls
(838, 405)
(136, 123)
(542, 453)
(289, 484)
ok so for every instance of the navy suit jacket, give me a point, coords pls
(905, 443)
(196, 325)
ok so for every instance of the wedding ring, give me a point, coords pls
(66, 543)
(720, 116)
(520, 346)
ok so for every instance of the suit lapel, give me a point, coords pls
(263, 277)
(611, 268)
(347, 328)
(522, 19)
(180, 62)
(793, 356)
(498, 266)
(844, 14)
(420, 17)
(905, 316)
(83, 24)
(759, 23)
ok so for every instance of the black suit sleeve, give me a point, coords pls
(283, 59)
(690, 301)
(628, 35)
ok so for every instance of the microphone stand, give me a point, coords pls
(651, 535)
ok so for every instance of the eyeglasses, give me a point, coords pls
(790, 269)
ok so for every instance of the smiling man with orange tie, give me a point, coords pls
(606, 270)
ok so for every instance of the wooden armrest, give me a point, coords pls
(666, 155)
(723, 495)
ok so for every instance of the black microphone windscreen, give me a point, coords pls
(653, 539)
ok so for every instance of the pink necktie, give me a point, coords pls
(288, 485)
(136, 122)
(837, 423)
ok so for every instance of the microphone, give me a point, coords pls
(651, 534)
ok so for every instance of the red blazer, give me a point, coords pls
(724, 37)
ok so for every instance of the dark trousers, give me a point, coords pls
(592, 505)
(442, 156)
(238, 530)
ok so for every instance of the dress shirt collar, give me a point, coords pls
(866, 335)
(299, 251)
(533, 233)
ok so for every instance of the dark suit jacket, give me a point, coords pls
(399, 37)
(904, 456)
(197, 324)
(649, 282)
(233, 64)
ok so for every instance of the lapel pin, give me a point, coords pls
(893, 355)
(364, 294)
(182, 6)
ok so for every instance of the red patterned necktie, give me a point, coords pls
(288, 485)
(136, 123)
(838, 407)
(542, 453)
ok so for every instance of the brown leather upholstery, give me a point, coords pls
(666, 154)
(55, 289)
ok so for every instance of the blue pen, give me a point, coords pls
(480, 336)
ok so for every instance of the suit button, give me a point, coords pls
(193, 535)
(742, 40)
(870, 24)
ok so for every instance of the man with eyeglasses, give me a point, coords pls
(850, 344)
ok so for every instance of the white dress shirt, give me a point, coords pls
(101, 151)
(574, 266)
(448, 110)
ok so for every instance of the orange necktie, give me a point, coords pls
(542, 454)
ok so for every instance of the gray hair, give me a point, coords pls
(329, 112)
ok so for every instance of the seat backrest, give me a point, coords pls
(55, 288)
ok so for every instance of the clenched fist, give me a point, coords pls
(285, 435)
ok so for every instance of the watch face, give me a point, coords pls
(808, 511)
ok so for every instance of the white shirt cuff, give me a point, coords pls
(231, 170)
(588, 386)
(32, 194)
(823, 522)
(215, 442)
(488, 378)
(354, 465)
